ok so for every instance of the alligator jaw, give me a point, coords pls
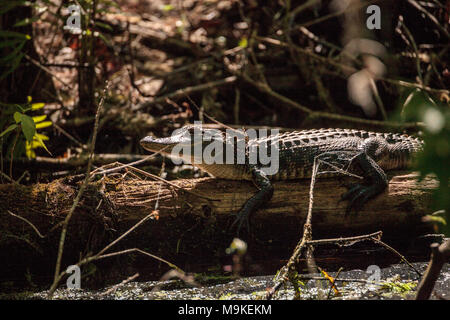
(158, 144)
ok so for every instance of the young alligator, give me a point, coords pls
(368, 152)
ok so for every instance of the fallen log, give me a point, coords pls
(59, 164)
(194, 215)
(404, 202)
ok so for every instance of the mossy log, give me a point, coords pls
(124, 202)
(194, 217)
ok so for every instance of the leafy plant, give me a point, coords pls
(395, 285)
(16, 120)
(13, 42)
(435, 158)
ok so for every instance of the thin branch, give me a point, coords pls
(187, 91)
(344, 241)
(115, 287)
(348, 68)
(416, 5)
(439, 255)
(378, 240)
(28, 222)
(47, 70)
(414, 46)
(327, 115)
(77, 198)
(113, 254)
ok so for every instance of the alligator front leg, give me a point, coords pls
(376, 182)
(264, 194)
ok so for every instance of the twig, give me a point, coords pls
(372, 236)
(186, 91)
(64, 132)
(338, 13)
(307, 242)
(99, 256)
(327, 115)
(439, 255)
(31, 244)
(397, 253)
(315, 38)
(172, 184)
(125, 234)
(113, 254)
(189, 279)
(378, 98)
(67, 65)
(81, 160)
(302, 7)
(57, 276)
(115, 287)
(29, 223)
(414, 46)
(12, 154)
(348, 68)
(284, 273)
(131, 69)
(47, 70)
(7, 177)
(416, 5)
(127, 165)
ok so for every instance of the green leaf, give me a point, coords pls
(13, 54)
(10, 43)
(17, 116)
(18, 150)
(14, 66)
(21, 108)
(10, 5)
(42, 143)
(26, 21)
(10, 128)
(104, 25)
(12, 34)
(28, 127)
(103, 38)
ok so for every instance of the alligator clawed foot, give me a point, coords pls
(357, 195)
(241, 218)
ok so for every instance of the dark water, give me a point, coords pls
(395, 282)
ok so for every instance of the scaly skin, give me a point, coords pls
(369, 152)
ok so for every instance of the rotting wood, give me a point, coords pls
(401, 206)
(192, 229)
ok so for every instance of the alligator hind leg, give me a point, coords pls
(358, 194)
(264, 194)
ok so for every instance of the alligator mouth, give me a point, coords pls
(158, 144)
